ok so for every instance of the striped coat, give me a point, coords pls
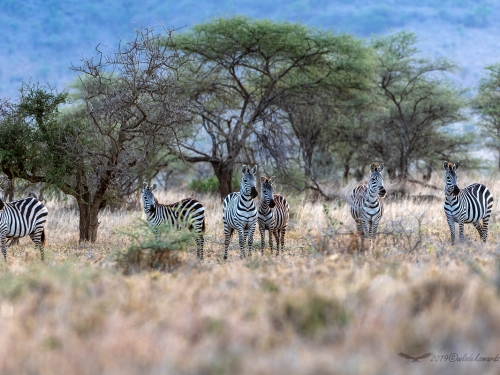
(366, 204)
(239, 212)
(273, 215)
(20, 218)
(187, 213)
(471, 204)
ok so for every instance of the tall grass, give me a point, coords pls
(321, 307)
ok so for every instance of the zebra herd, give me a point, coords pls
(239, 214)
(471, 204)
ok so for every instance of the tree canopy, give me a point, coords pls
(240, 71)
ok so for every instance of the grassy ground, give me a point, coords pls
(319, 308)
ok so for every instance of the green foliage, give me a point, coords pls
(146, 253)
(487, 105)
(206, 185)
(420, 101)
(29, 135)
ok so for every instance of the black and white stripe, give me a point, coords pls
(187, 213)
(366, 204)
(239, 212)
(273, 215)
(20, 218)
(472, 204)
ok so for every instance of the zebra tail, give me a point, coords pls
(43, 237)
(203, 225)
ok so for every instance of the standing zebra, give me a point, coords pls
(366, 204)
(239, 212)
(22, 217)
(467, 205)
(187, 213)
(273, 215)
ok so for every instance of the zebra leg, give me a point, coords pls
(282, 235)
(242, 239)
(4, 248)
(451, 224)
(479, 228)
(262, 230)
(461, 231)
(373, 234)
(277, 237)
(37, 239)
(199, 244)
(251, 232)
(227, 238)
(359, 227)
(485, 228)
(271, 240)
(366, 234)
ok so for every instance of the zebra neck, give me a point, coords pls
(372, 194)
(264, 207)
(151, 211)
(245, 198)
(450, 197)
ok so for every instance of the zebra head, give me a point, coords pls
(148, 198)
(248, 181)
(376, 182)
(451, 178)
(267, 190)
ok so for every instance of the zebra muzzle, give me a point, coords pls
(382, 192)
(253, 192)
(271, 203)
(456, 190)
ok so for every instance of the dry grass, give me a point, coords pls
(320, 308)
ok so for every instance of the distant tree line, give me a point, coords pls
(308, 105)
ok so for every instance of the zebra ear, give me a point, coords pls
(446, 165)
(373, 167)
(244, 169)
(153, 187)
(254, 169)
(262, 179)
(381, 167)
(144, 185)
(272, 180)
(457, 164)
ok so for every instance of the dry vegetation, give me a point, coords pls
(320, 308)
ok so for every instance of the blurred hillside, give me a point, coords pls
(41, 39)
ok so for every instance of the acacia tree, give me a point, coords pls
(129, 112)
(487, 105)
(420, 102)
(133, 111)
(240, 70)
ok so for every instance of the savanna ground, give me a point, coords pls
(319, 308)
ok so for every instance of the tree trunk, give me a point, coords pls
(224, 173)
(89, 221)
(307, 156)
(346, 173)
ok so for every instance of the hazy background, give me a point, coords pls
(40, 39)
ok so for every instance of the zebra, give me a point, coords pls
(23, 217)
(187, 213)
(239, 212)
(273, 215)
(467, 205)
(366, 204)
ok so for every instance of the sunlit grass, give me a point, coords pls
(320, 307)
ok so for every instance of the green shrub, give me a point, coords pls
(146, 253)
(208, 185)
